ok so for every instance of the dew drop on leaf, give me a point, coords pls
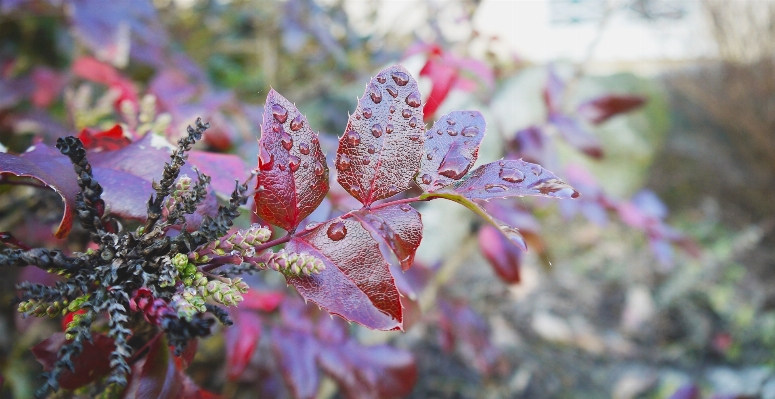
(367, 113)
(389, 128)
(414, 137)
(450, 121)
(344, 162)
(556, 188)
(400, 78)
(375, 94)
(426, 179)
(276, 127)
(280, 113)
(352, 137)
(318, 169)
(265, 158)
(304, 148)
(366, 161)
(286, 140)
(406, 113)
(413, 100)
(495, 188)
(392, 90)
(293, 163)
(470, 131)
(413, 122)
(451, 132)
(511, 175)
(371, 149)
(392, 109)
(381, 79)
(376, 130)
(297, 123)
(429, 157)
(281, 167)
(405, 207)
(337, 231)
(536, 169)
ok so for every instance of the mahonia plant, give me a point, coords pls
(162, 276)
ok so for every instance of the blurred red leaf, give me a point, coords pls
(48, 86)
(296, 352)
(293, 175)
(93, 362)
(599, 110)
(376, 372)
(356, 283)
(184, 360)
(241, 340)
(464, 328)
(90, 69)
(442, 78)
(380, 151)
(400, 226)
(107, 140)
(51, 168)
(578, 137)
(451, 148)
(504, 257)
(265, 301)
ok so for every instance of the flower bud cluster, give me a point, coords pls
(292, 263)
(187, 271)
(242, 242)
(43, 309)
(179, 192)
(225, 291)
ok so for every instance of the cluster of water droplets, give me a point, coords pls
(266, 159)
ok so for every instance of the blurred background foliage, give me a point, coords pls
(596, 314)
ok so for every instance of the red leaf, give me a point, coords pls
(400, 226)
(93, 362)
(48, 85)
(296, 352)
(265, 301)
(293, 175)
(510, 178)
(52, 169)
(100, 72)
(241, 341)
(370, 372)
(442, 78)
(451, 148)
(380, 150)
(108, 140)
(184, 360)
(599, 110)
(504, 257)
(577, 136)
(355, 271)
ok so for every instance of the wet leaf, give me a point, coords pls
(400, 226)
(599, 110)
(51, 168)
(451, 148)
(293, 175)
(369, 372)
(504, 257)
(93, 362)
(578, 137)
(356, 283)
(296, 352)
(241, 340)
(380, 150)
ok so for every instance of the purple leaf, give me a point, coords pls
(577, 136)
(293, 176)
(296, 352)
(451, 148)
(380, 150)
(224, 169)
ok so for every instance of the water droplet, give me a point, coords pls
(276, 127)
(286, 140)
(439, 132)
(358, 116)
(414, 137)
(413, 122)
(376, 130)
(556, 188)
(495, 188)
(304, 165)
(457, 161)
(452, 132)
(406, 113)
(315, 140)
(426, 179)
(293, 163)
(389, 128)
(304, 149)
(451, 122)
(265, 159)
(336, 231)
(375, 94)
(281, 167)
(512, 175)
(371, 149)
(413, 100)
(355, 189)
(470, 131)
(344, 162)
(318, 169)
(400, 78)
(280, 113)
(366, 161)
(392, 91)
(429, 156)
(405, 207)
(514, 236)
(367, 113)
(297, 123)
(392, 109)
(381, 79)
(536, 169)
(352, 137)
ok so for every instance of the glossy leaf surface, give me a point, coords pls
(293, 175)
(93, 362)
(400, 226)
(356, 283)
(451, 148)
(380, 150)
